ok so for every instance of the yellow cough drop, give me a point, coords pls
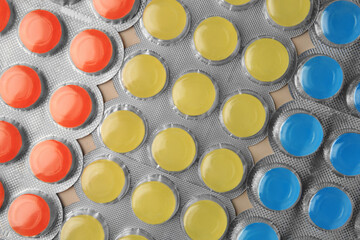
(266, 59)
(216, 39)
(205, 220)
(144, 76)
(173, 149)
(103, 181)
(82, 227)
(123, 131)
(288, 13)
(194, 94)
(153, 202)
(165, 19)
(244, 115)
(222, 170)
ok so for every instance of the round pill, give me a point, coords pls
(173, 149)
(321, 77)
(266, 60)
(133, 237)
(10, 141)
(20, 86)
(301, 134)
(123, 131)
(205, 220)
(288, 13)
(29, 215)
(71, 106)
(216, 39)
(40, 31)
(258, 230)
(165, 19)
(91, 51)
(345, 154)
(340, 22)
(82, 227)
(330, 208)
(222, 170)
(5, 13)
(243, 115)
(51, 161)
(154, 202)
(194, 94)
(144, 76)
(279, 189)
(115, 9)
(103, 181)
(2, 194)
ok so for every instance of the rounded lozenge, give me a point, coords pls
(82, 227)
(194, 94)
(344, 154)
(165, 21)
(266, 60)
(221, 169)
(71, 106)
(5, 13)
(154, 201)
(339, 23)
(288, 13)
(279, 189)
(116, 9)
(204, 219)
(2, 194)
(258, 230)
(301, 134)
(330, 208)
(20, 86)
(123, 131)
(40, 31)
(144, 75)
(11, 141)
(30, 215)
(173, 149)
(91, 51)
(216, 40)
(320, 77)
(104, 181)
(243, 115)
(51, 161)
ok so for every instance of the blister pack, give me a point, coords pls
(52, 60)
(121, 15)
(200, 81)
(308, 188)
(329, 73)
(137, 200)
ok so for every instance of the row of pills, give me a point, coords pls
(32, 213)
(42, 32)
(301, 134)
(173, 148)
(154, 200)
(50, 160)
